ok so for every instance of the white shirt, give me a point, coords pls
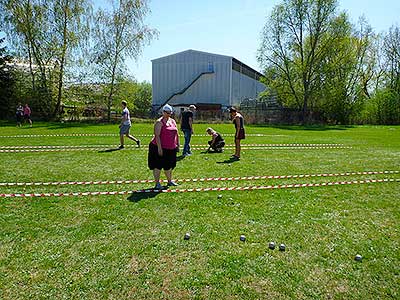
(127, 121)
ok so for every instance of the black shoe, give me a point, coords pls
(158, 187)
(121, 147)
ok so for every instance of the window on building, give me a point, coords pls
(245, 70)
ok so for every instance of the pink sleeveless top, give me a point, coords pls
(168, 135)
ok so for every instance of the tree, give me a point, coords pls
(7, 81)
(392, 59)
(384, 106)
(26, 27)
(293, 44)
(70, 28)
(346, 70)
(44, 33)
(119, 34)
(137, 95)
(143, 100)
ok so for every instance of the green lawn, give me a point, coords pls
(132, 246)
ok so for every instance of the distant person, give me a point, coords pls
(125, 126)
(238, 121)
(163, 147)
(19, 114)
(217, 143)
(27, 114)
(187, 128)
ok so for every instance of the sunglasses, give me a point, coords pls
(167, 112)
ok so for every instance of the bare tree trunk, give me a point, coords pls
(62, 63)
(111, 93)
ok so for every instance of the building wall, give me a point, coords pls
(225, 86)
(173, 73)
(244, 87)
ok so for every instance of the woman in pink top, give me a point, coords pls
(27, 114)
(163, 147)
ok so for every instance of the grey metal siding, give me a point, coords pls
(244, 87)
(173, 73)
(209, 88)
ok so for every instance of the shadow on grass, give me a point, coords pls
(180, 157)
(52, 125)
(59, 125)
(228, 161)
(25, 126)
(138, 196)
(307, 127)
(109, 150)
(210, 152)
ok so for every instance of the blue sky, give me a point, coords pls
(232, 27)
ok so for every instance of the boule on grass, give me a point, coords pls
(358, 257)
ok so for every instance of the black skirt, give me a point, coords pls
(166, 162)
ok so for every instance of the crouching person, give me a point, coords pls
(217, 143)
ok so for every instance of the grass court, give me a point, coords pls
(131, 245)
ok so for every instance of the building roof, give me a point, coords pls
(213, 54)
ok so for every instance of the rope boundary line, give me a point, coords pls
(246, 188)
(107, 182)
(114, 134)
(143, 148)
(195, 145)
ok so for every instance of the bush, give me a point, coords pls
(382, 108)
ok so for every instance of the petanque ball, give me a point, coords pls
(271, 245)
(242, 238)
(282, 247)
(187, 236)
(358, 257)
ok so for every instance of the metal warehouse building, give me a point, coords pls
(204, 79)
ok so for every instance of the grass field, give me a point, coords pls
(131, 246)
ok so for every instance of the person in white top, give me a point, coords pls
(125, 126)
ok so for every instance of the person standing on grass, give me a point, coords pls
(163, 147)
(125, 126)
(238, 121)
(187, 128)
(19, 114)
(27, 114)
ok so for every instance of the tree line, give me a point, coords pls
(313, 58)
(316, 61)
(60, 51)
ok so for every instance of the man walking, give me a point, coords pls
(187, 128)
(125, 126)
